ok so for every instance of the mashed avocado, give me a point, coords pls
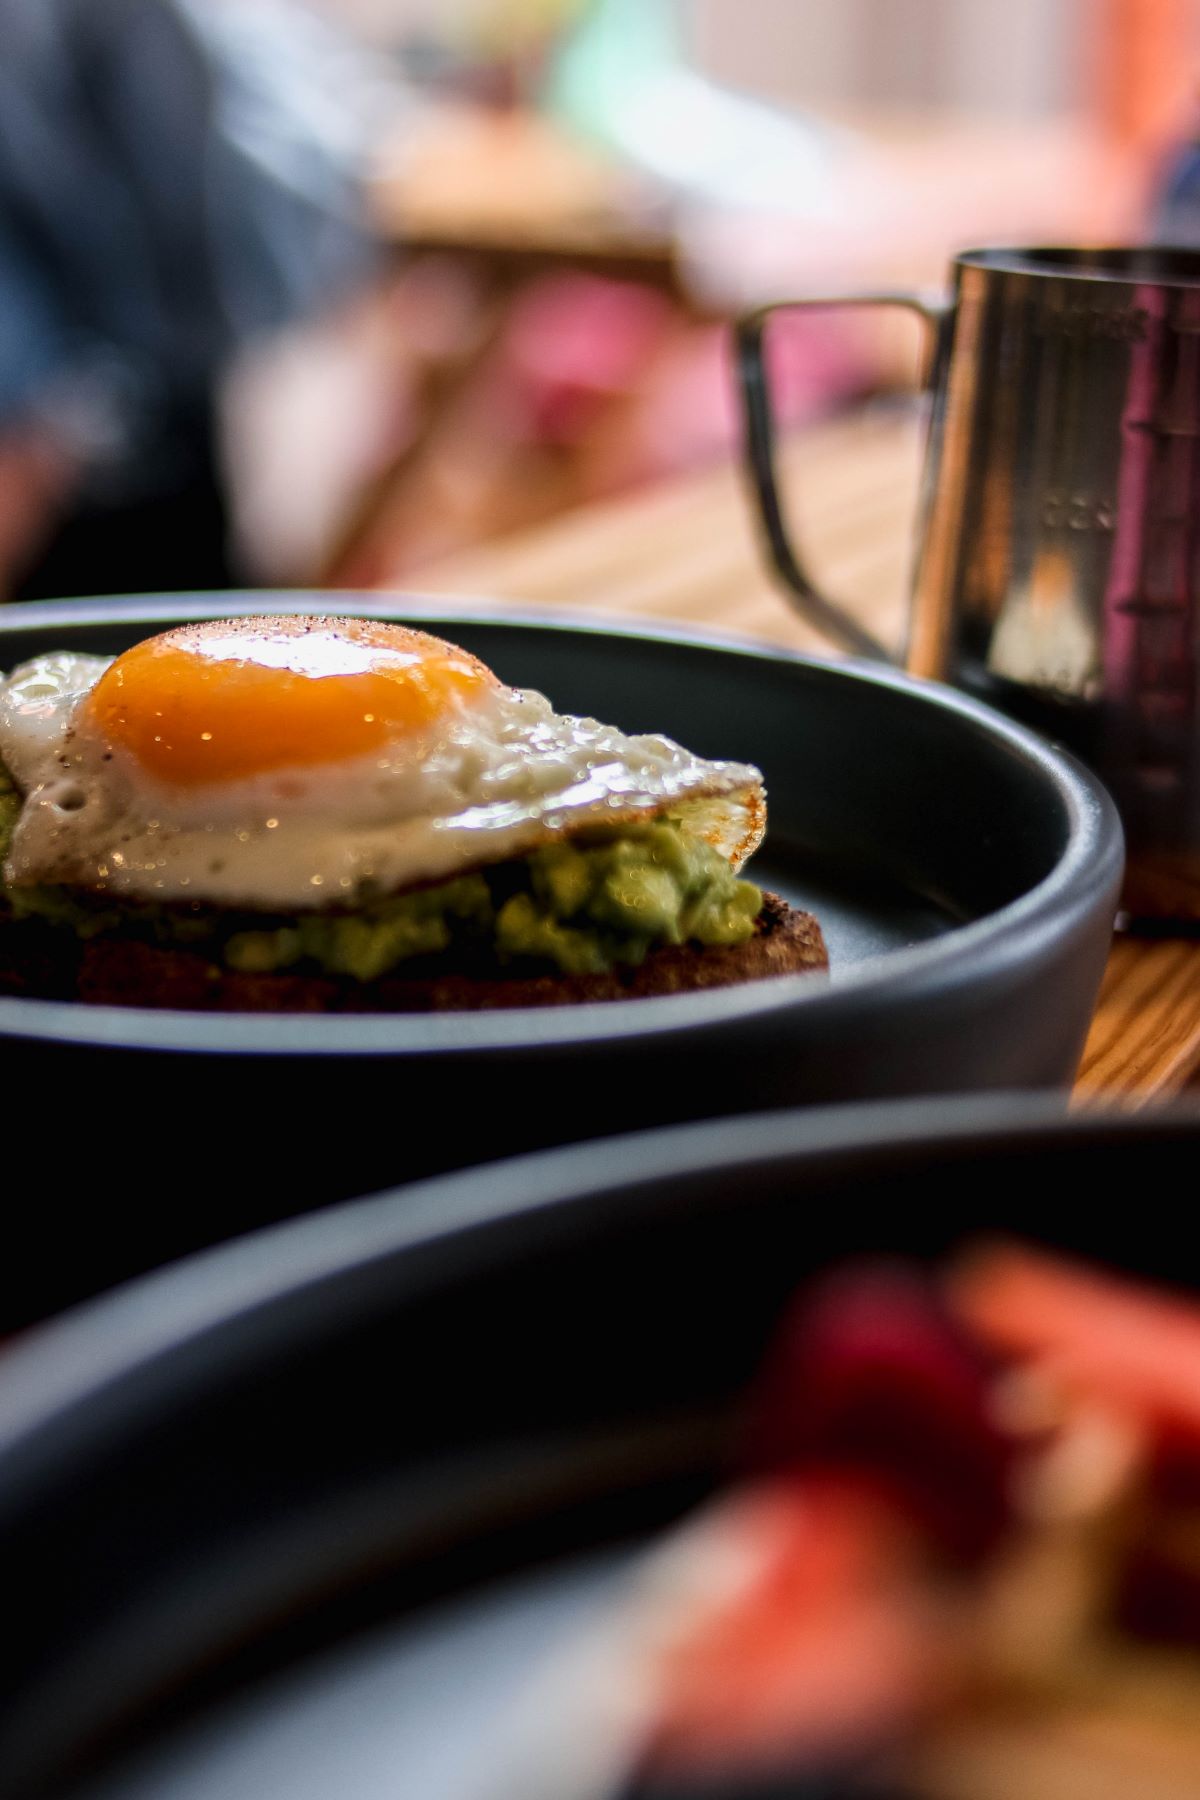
(588, 906)
(580, 907)
(369, 943)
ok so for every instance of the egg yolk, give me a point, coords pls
(234, 698)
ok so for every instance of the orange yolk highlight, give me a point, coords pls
(235, 698)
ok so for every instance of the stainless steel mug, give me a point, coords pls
(1058, 556)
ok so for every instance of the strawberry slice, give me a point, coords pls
(870, 1372)
(814, 1632)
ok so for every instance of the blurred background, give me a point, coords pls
(330, 293)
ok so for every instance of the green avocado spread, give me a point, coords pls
(580, 907)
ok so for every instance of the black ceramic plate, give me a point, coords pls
(305, 1509)
(965, 874)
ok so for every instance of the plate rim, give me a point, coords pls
(1090, 866)
(64, 1373)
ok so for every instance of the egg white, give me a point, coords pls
(484, 785)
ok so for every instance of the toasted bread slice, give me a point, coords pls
(126, 972)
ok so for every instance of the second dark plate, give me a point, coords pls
(256, 1505)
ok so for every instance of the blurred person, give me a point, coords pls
(178, 180)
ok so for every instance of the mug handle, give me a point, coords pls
(828, 616)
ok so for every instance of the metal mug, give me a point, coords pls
(1057, 572)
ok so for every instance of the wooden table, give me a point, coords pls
(686, 554)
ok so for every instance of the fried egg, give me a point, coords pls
(292, 763)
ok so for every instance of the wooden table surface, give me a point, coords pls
(685, 554)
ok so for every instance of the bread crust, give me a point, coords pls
(116, 971)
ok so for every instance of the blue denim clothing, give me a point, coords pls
(176, 176)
